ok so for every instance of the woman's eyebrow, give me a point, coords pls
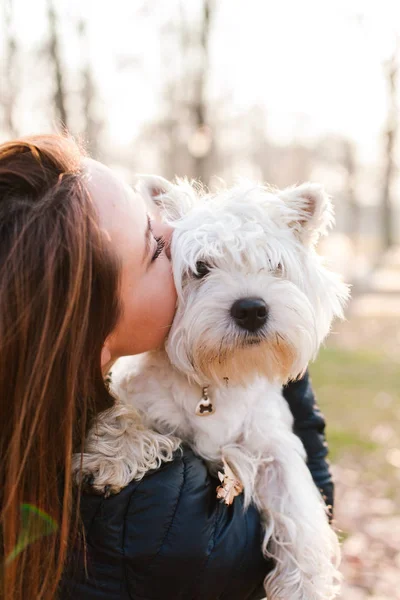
(148, 236)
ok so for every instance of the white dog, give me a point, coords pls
(254, 304)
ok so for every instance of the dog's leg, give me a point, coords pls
(119, 449)
(298, 536)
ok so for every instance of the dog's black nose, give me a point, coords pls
(250, 313)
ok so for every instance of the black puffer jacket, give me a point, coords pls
(167, 537)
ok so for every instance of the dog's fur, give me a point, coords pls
(257, 242)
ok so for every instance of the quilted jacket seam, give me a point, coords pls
(207, 560)
(183, 474)
(154, 557)
(124, 579)
(94, 517)
(237, 569)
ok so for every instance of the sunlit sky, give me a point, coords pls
(315, 65)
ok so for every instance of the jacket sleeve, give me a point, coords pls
(309, 425)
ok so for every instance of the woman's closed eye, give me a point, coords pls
(159, 248)
(160, 241)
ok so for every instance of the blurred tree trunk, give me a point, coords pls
(184, 127)
(390, 142)
(350, 165)
(168, 129)
(9, 92)
(202, 137)
(55, 60)
(91, 124)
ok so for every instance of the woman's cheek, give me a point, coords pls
(164, 278)
(172, 295)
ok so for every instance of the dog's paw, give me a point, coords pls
(119, 449)
(89, 485)
(100, 475)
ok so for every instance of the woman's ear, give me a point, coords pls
(105, 357)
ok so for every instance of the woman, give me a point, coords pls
(85, 278)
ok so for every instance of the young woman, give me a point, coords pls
(85, 278)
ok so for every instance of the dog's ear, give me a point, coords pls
(154, 190)
(310, 211)
(171, 200)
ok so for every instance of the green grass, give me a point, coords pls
(356, 391)
(342, 441)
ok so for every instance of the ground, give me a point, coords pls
(357, 380)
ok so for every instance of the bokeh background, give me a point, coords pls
(277, 91)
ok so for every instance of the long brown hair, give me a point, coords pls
(58, 304)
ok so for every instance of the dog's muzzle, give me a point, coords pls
(250, 314)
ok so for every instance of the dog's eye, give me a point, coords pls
(202, 269)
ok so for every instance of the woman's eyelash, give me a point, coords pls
(160, 247)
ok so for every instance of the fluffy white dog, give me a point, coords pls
(254, 304)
